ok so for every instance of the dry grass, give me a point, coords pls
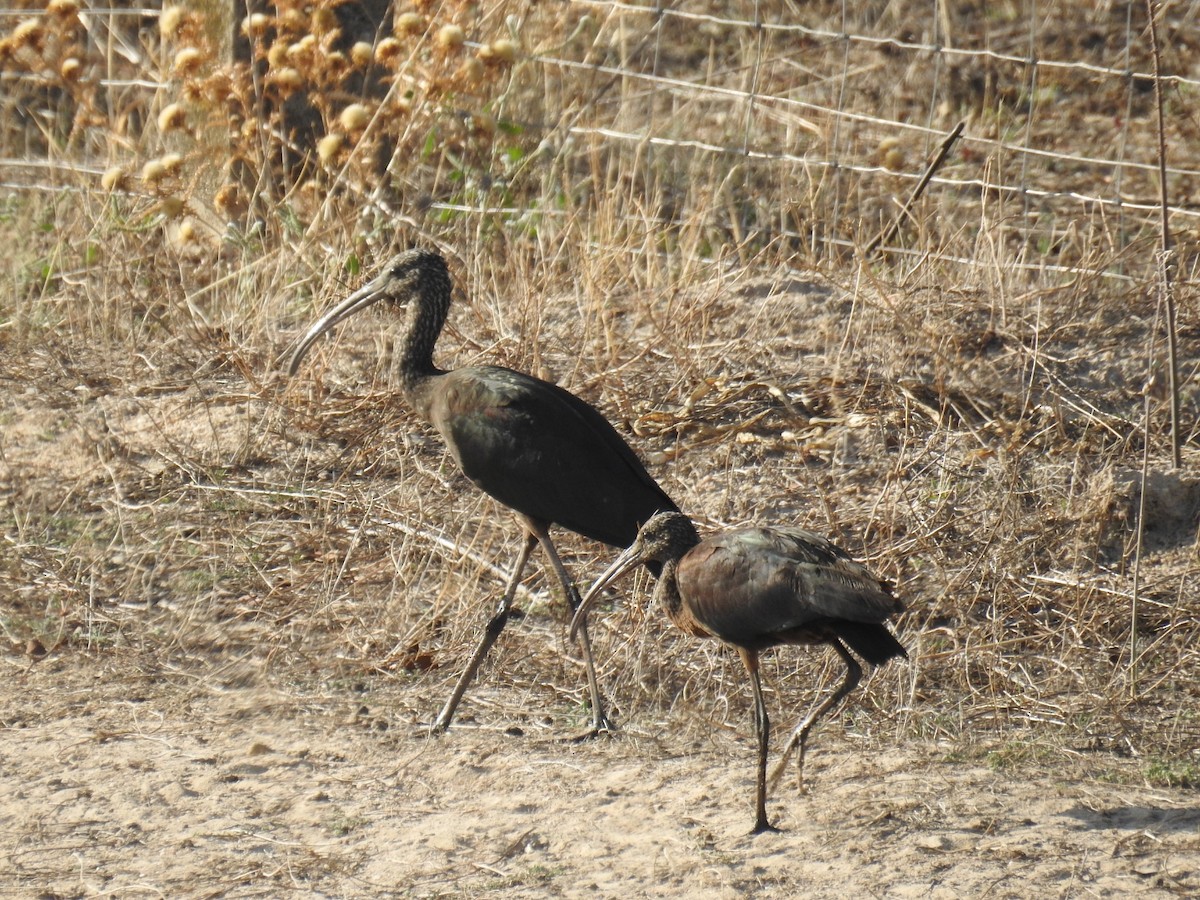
(972, 421)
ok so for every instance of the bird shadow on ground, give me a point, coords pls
(761, 288)
(1138, 818)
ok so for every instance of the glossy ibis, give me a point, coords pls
(538, 449)
(756, 588)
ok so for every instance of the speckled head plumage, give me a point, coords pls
(416, 276)
(665, 536)
(417, 271)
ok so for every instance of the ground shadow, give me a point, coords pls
(1139, 818)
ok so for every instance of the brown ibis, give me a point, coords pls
(756, 588)
(533, 446)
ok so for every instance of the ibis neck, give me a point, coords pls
(666, 592)
(426, 317)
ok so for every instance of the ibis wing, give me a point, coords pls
(542, 451)
(761, 586)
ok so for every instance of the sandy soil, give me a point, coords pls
(227, 601)
(172, 785)
(232, 706)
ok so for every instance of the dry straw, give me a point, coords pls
(663, 210)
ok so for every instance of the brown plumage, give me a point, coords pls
(538, 449)
(756, 588)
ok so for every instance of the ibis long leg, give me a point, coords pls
(491, 631)
(762, 728)
(600, 721)
(800, 734)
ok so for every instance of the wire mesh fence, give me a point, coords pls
(748, 123)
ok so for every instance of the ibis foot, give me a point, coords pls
(602, 726)
(764, 827)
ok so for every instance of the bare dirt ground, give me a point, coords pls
(228, 602)
(230, 609)
(165, 785)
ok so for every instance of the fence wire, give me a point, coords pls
(805, 123)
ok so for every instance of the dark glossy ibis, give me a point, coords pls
(756, 588)
(538, 449)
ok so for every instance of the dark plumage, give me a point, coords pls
(756, 588)
(538, 449)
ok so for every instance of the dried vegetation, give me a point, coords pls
(971, 418)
